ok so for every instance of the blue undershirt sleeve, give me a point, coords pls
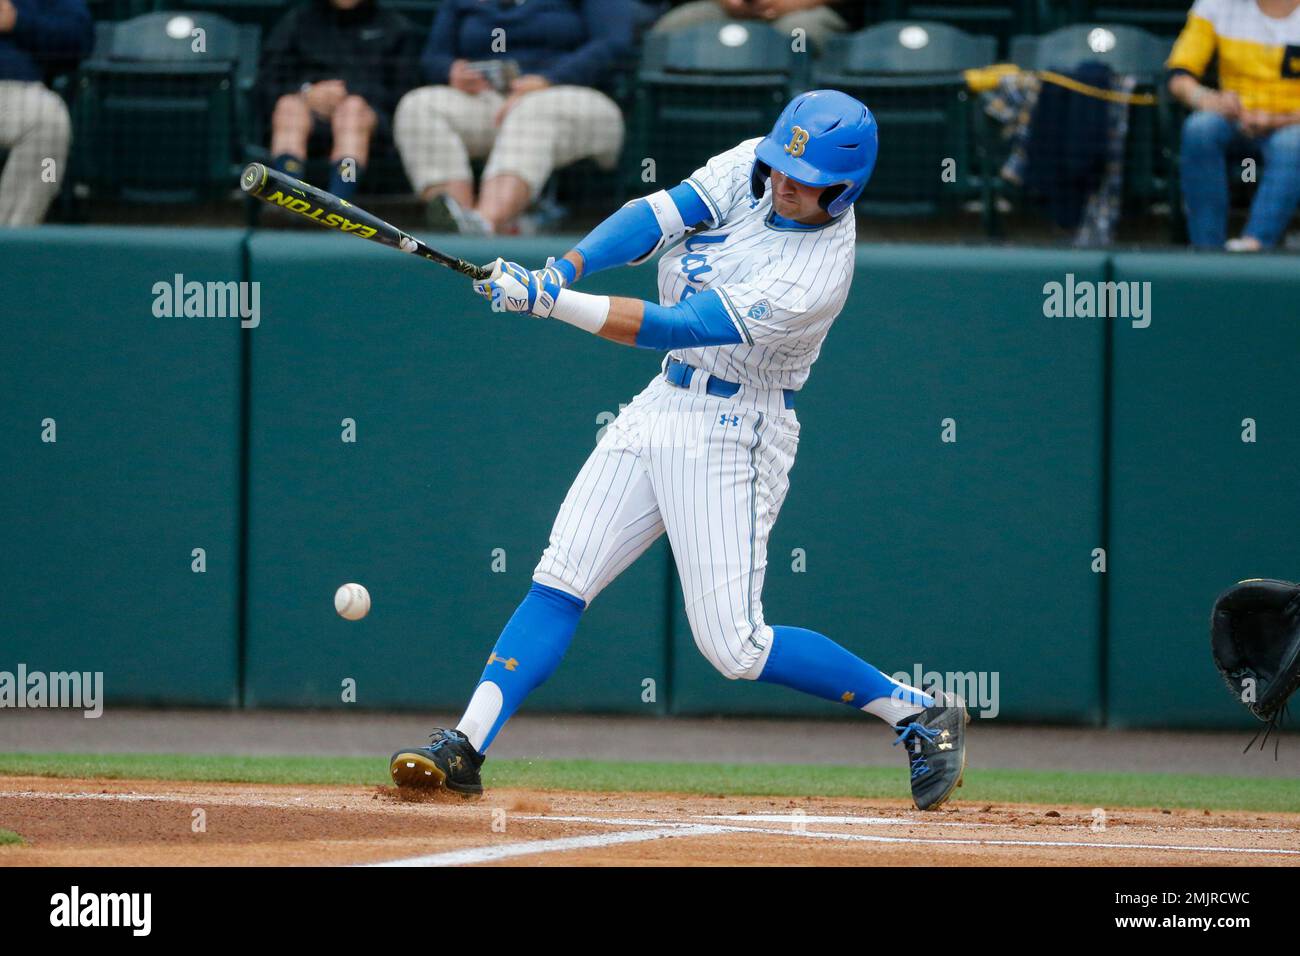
(633, 231)
(693, 209)
(696, 321)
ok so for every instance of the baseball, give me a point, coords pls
(352, 601)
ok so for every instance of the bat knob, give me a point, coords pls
(253, 177)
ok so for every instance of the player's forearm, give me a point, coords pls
(699, 321)
(611, 317)
(623, 323)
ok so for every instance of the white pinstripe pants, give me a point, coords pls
(712, 472)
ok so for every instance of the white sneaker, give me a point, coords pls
(1244, 244)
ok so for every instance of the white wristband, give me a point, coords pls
(587, 312)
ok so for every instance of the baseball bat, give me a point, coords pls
(325, 209)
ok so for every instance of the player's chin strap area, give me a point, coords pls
(680, 374)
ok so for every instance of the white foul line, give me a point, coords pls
(487, 854)
(955, 841)
(909, 822)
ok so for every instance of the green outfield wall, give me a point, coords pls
(992, 483)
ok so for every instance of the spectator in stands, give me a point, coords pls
(522, 84)
(332, 72)
(817, 18)
(1255, 110)
(37, 39)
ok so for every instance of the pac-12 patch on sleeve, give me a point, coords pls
(760, 311)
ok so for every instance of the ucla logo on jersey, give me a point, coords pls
(695, 263)
(798, 140)
(760, 311)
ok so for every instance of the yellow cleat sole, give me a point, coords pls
(416, 770)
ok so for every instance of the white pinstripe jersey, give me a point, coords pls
(782, 287)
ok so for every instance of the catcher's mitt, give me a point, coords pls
(1255, 639)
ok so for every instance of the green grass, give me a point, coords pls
(983, 785)
(8, 836)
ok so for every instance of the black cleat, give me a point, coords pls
(449, 761)
(936, 749)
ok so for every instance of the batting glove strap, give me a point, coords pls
(560, 271)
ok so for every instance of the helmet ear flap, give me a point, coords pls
(759, 173)
(830, 194)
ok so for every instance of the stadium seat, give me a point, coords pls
(1001, 20)
(1161, 17)
(154, 119)
(910, 74)
(260, 13)
(1125, 49)
(701, 91)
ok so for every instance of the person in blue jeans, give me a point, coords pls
(1254, 113)
(1209, 139)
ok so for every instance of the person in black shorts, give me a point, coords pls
(332, 71)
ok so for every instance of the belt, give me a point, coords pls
(680, 374)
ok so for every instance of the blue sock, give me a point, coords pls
(527, 652)
(345, 188)
(814, 664)
(289, 164)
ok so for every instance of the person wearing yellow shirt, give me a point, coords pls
(1255, 111)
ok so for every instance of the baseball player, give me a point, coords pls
(757, 257)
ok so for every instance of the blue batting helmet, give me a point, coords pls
(822, 138)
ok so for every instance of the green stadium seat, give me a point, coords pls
(156, 121)
(910, 74)
(1123, 48)
(1161, 17)
(1001, 20)
(266, 13)
(1126, 49)
(701, 91)
(259, 13)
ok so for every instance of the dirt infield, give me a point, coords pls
(115, 822)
